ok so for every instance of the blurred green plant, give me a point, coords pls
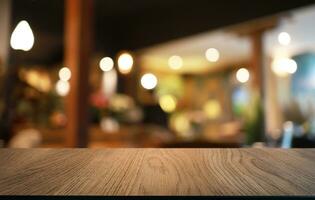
(254, 120)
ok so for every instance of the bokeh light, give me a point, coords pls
(22, 37)
(284, 66)
(212, 108)
(181, 124)
(64, 74)
(292, 66)
(106, 64)
(168, 103)
(212, 55)
(39, 80)
(125, 62)
(148, 81)
(284, 38)
(62, 87)
(109, 125)
(242, 75)
(175, 62)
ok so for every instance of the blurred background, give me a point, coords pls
(157, 73)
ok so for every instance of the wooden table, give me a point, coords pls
(157, 172)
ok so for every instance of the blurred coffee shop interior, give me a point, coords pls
(157, 73)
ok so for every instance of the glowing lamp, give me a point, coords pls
(242, 75)
(22, 37)
(125, 62)
(148, 81)
(212, 55)
(175, 62)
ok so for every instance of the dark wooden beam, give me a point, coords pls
(78, 37)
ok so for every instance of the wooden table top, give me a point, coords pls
(157, 172)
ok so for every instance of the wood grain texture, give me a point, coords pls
(157, 172)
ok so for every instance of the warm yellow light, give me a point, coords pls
(284, 38)
(22, 37)
(38, 80)
(125, 62)
(175, 62)
(284, 66)
(65, 74)
(212, 109)
(168, 103)
(106, 64)
(120, 102)
(242, 75)
(44, 84)
(32, 77)
(148, 81)
(181, 124)
(62, 87)
(212, 55)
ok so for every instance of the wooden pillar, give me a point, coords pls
(9, 70)
(5, 19)
(255, 30)
(258, 85)
(257, 61)
(78, 46)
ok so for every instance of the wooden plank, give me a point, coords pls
(78, 33)
(157, 172)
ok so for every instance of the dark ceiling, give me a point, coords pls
(133, 24)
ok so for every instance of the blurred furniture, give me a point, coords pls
(144, 135)
(157, 172)
(139, 135)
(127, 136)
(229, 132)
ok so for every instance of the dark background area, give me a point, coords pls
(133, 24)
